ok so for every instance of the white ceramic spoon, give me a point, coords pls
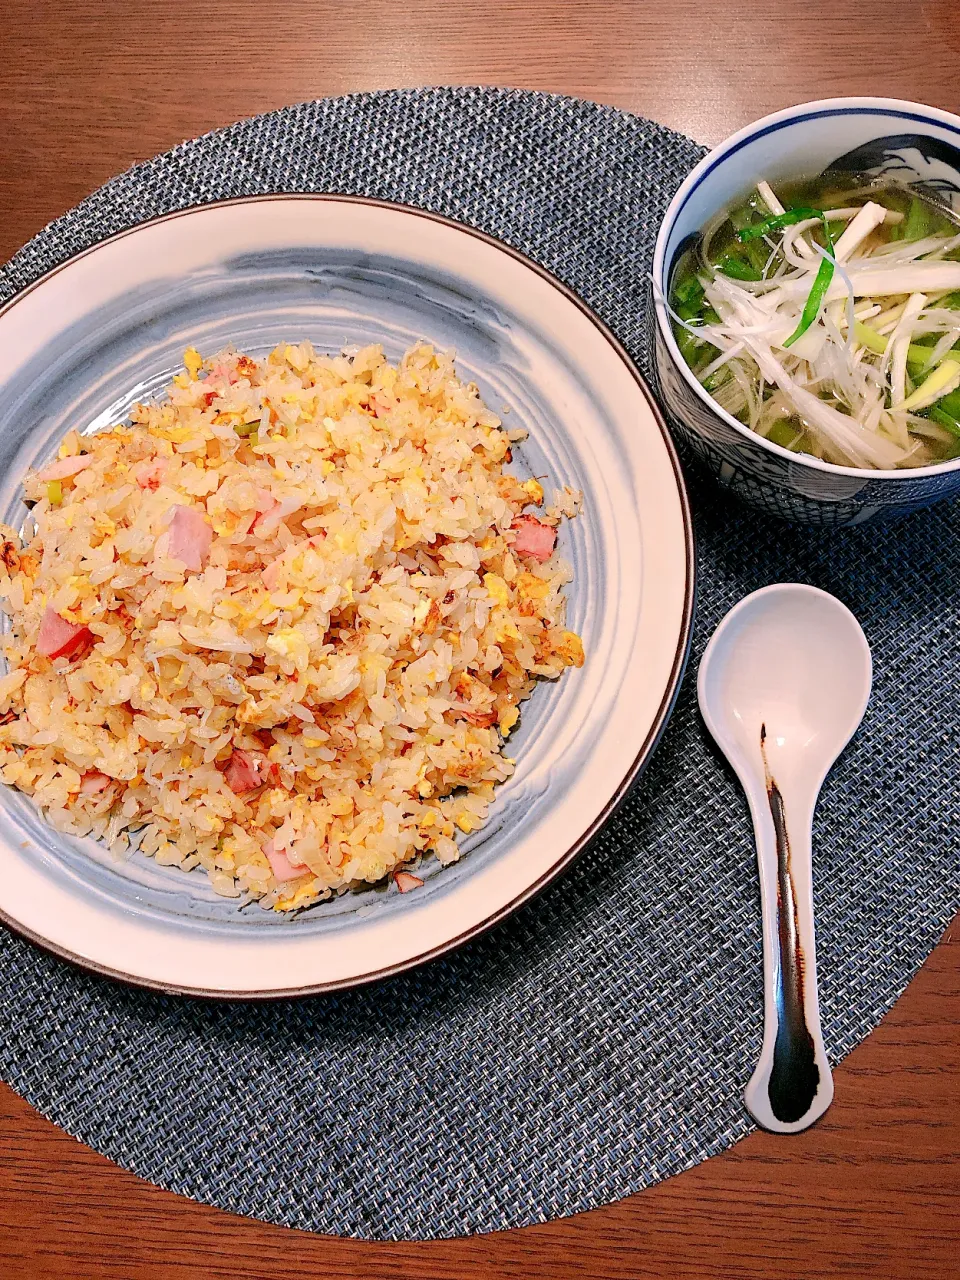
(783, 684)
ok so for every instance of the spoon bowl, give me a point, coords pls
(783, 685)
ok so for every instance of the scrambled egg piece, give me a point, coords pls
(497, 588)
(570, 649)
(531, 587)
(288, 642)
(508, 718)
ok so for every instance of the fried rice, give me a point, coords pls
(279, 624)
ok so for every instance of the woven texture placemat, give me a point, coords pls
(599, 1040)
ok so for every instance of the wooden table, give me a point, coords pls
(87, 88)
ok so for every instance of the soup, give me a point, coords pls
(825, 316)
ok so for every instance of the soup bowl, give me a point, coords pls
(914, 145)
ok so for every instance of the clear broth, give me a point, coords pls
(718, 247)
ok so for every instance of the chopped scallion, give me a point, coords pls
(943, 380)
(777, 223)
(940, 416)
(737, 269)
(869, 338)
(818, 292)
(918, 355)
(920, 222)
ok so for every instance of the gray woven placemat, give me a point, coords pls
(599, 1040)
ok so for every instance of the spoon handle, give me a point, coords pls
(792, 1085)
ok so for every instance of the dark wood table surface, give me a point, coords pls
(86, 89)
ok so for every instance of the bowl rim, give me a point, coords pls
(715, 157)
(651, 739)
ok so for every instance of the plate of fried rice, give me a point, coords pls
(346, 577)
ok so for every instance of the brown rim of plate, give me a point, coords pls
(663, 712)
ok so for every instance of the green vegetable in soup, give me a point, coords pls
(789, 218)
(945, 420)
(818, 291)
(785, 434)
(841, 338)
(738, 269)
(921, 221)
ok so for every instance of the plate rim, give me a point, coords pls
(653, 736)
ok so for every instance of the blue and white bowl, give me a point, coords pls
(920, 147)
(108, 328)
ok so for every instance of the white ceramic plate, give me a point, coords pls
(109, 327)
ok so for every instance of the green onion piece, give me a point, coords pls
(54, 492)
(689, 310)
(946, 372)
(951, 404)
(917, 353)
(688, 290)
(752, 251)
(869, 338)
(247, 428)
(691, 348)
(918, 360)
(938, 415)
(745, 215)
(688, 298)
(784, 434)
(920, 221)
(737, 269)
(817, 293)
(777, 222)
(253, 438)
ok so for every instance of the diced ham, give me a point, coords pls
(65, 467)
(271, 574)
(280, 863)
(190, 537)
(93, 783)
(534, 538)
(248, 770)
(150, 474)
(59, 638)
(245, 772)
(405, 881)
(266, 503)
(223, 371)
